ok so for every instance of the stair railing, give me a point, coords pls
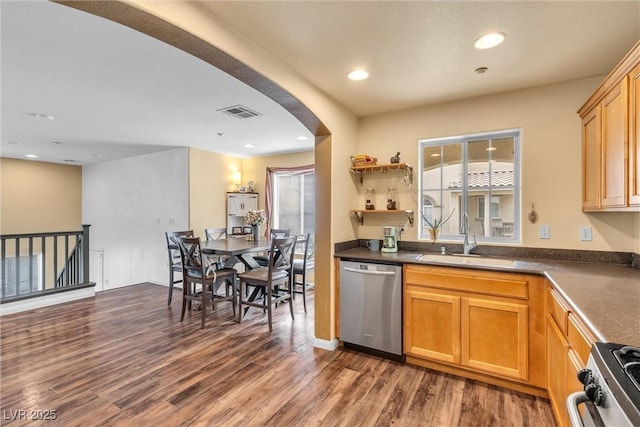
(36, 264)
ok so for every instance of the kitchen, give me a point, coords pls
(552, 142)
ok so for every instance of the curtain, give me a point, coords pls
(268, 203)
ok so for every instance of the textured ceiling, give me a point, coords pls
(421, 52)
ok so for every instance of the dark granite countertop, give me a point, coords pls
(605, 296)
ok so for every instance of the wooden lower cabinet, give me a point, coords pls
(557, 371)
(569, 342)
(480, 324)
(495, 337)
(442, 342)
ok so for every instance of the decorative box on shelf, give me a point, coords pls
(363, 160)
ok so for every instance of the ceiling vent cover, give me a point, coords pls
(240, 112)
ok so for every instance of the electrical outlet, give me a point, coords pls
(544, 232)
(585, 234)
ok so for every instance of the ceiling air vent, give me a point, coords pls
(240, 112)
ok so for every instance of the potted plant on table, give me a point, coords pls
(255, 218)
(435, 224)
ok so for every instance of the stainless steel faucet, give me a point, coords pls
(466, 246)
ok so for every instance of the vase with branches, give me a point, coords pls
(435, 224)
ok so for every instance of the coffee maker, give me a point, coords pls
(390, 239)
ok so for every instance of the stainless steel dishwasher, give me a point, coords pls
(371, 308)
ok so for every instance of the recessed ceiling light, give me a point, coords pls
(15, 143)
(56, 142)
(302, 138)
(489, 40)
(96, 155)
(358, 74)
(41, 116)
(481, 70)
(249, 146)
(31, 156)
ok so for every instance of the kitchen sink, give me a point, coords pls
(476, 260)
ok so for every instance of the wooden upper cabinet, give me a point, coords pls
(634, 137)
(615, 114)
(591, 159)
(610, 117)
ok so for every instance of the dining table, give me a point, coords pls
(237, 249)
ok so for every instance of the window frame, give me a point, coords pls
(464, 140)
(275, 192)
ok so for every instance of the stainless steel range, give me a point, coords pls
(611, 388)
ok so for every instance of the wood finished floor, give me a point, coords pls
(124, 359)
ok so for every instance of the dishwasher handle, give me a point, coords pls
(374, 272)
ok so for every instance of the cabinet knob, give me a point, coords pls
(594, 393)
(585, 376)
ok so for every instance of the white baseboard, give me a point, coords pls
(44, 301)
(330, 345)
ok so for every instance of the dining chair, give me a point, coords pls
(195, 270)
(263, 260)
(301, 266)
(217, 260)
(216, 234)
(175, 263)
(265, 280)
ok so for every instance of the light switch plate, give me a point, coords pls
(544, 232)
(585, 234)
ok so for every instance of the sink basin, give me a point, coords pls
(467, 260)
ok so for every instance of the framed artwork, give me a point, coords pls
(236, 230)
(246, 230)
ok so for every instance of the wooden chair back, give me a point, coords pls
(281, 254)
(215, 233)
(172, 246)
(193, 263)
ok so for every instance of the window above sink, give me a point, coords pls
(477, 174)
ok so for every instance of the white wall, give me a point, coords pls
(130, 203)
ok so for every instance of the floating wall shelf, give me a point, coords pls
(383, 168)
(359, 214)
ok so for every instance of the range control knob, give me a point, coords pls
(585, 376)
(594, 393)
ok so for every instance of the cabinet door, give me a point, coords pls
(250, 202)
(591, 159)
(495, 337)
(634, 137)
(234, 205)
(557, 368)
(614, 147)
(432, 325)
(572, 384)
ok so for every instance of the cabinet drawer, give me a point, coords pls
(580, 339)
(464, 280)
(558, 310)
